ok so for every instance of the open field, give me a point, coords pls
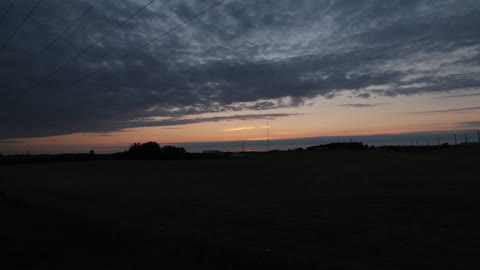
(306, 210)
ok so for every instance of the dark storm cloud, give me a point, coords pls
(243, 55)
(50, 128)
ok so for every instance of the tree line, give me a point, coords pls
(152, 150)
(136, 151)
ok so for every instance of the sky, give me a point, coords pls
(107, 73)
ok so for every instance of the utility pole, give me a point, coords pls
(439, 143)
(455, 137)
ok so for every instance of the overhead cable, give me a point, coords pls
(21, 24)
(108, 65)
(84, 51)
(7, 11)
(72, 24)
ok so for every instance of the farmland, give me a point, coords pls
(306, 210)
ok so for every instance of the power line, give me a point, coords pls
(108, 65)
(82, 52)
(38, 54)
(21, 24)
(72, 24)
(7, 11)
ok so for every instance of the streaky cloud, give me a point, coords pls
(11, 142)
(473, 124)
(180, 122)
(449, 110)
(460, 96)
(362, 105)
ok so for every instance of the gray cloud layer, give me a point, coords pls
(460, 96)
(362, 105)
(179, 122)
(243, 55)
(10, 142)
(450, 110)
(474, 124)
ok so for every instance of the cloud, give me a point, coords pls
(10, 142)
(449, 110)
(238, 129)
(96, 126)
(243, 55)
(460, 96)
(474, 124)
(361, 105)
(262, 139)
(364, 95)
(180, 121)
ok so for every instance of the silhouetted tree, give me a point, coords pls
(173, 149)
(91, 154)
(173, 152)
(152, 150)
(149, 150)
(345, 146)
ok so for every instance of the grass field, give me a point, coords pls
(306, 210)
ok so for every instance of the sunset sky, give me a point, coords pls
(95, 74)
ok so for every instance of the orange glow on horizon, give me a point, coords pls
(263, 139)
(304, 122)
(238, 129)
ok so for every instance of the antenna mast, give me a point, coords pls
(268, 138)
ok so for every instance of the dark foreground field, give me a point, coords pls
(317, 210)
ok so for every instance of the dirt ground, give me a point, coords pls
(305, 210)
